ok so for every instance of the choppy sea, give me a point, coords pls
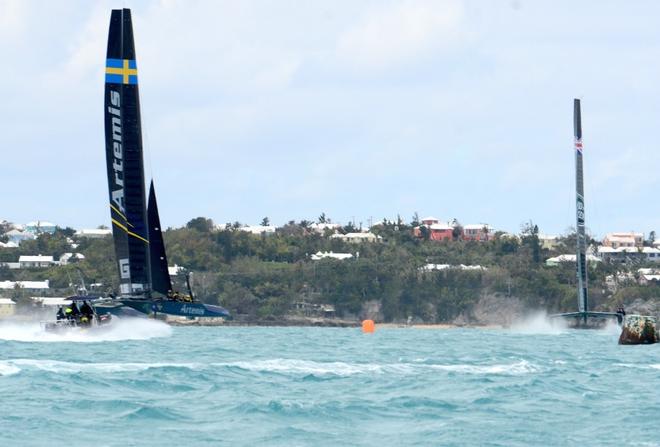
(146, 384)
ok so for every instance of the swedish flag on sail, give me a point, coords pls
(121, 71)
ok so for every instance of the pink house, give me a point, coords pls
(437, 231)
(477, 232)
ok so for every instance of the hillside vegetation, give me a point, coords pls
(267, 275)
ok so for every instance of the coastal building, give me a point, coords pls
(328, 254)
(321, 228)
(174, 270)
(626, 255)
(93, 233)
(18, 236)
(648, 276)
(434, 230)
(49, 301)
(430, 220)
(435, 267)
(617, 240)
(555, 261)
(477, 232)
(612, 282)
(8, 244)
(548, 242)
(7, 307)
(69, 257)
(356, 238)
(40, 226)
(39, 261)
(28, 285)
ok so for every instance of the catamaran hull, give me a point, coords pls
(589, 320)
(177, 308)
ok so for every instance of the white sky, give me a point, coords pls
(286, 109)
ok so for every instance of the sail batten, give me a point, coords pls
(124, 160)
(581, 246)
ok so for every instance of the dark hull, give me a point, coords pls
(177, 308)
(588, 320)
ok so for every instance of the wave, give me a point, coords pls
(279, 366)
(638, 366)
(118, 330)
(342, 369)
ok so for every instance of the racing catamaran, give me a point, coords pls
(145, 284)
(583, 318)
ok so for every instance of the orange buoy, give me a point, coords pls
(368, 326)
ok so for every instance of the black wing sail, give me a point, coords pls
(583, 300)
(160, 276)
(123, 143)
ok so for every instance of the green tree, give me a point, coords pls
(201, 224)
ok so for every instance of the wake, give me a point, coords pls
(540, 323)
(117, 330)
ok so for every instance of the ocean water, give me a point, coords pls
(144, 383)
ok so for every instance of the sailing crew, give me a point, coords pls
(72, 312)
(87, 310)
(60, 314)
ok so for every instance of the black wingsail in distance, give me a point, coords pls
(582, 316)
(123, 143)
(581, 255)
(160, 276)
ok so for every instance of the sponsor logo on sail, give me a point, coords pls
(580, 211)
(124, 269)
(117, 151)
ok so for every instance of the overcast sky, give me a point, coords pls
(359, 109)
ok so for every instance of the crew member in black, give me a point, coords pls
(60, 314)
(72, 311)
(87, 311)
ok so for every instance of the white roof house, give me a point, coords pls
(36, 261)
(174, 270)
(357, 237)
(33, 285)
(328, 254)
(18, 236)
(9, 244)
(548, 241)
(93, 233)
(569, 258)
(258, 229)
(629, 239)
(40, 226)
(432, 267)
(623, 253)
(66, 257)
(440, 226)
(321, 227)
(48, 301)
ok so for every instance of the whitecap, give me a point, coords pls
(7, 368)
(521, 367)
(57, 366)
(305, 367)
